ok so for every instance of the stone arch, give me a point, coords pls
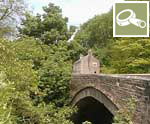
(97, 95)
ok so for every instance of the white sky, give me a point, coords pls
(78, 11)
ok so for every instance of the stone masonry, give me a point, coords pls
(86, 65)
(116, 88)
(110, 90)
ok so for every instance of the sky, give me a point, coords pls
(77, 11)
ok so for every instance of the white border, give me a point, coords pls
(114, 25)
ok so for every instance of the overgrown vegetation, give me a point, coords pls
(35, 69)
(35, 73)
(125, 115)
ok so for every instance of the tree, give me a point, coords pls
(11, 11)
(97, 34)
(55, 75)
(29, 49)
(20, 90)
(116, 55)
(16, 105)
(57, 116)
(53, 65)
(49, 27)
(96, 31)
(130, 55)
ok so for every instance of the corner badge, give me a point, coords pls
(131, 19)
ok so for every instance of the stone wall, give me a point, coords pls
(147, 98)
(118, 88)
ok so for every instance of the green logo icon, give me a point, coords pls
(131, 19)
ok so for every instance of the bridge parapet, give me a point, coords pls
(117, 88)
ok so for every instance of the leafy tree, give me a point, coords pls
(130, 56)
(116, 55)
(19, 86)
(27, 48)
(53, 65)
(97, 31)
(11, 11)
(50, 27)
(97, 34)
(55, 75)
(11, 8)
(16, 105)
(57, 116)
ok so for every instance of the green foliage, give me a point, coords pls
(96, 34)
(75, 49)
(125, 114)
(97, 31)
(22, 82)
(58, 115)
(55, 75)
(28, 48)
(15, 86)
(130, 56)
(50, 27)
(116, 55)
(53, 65)
(50, 114)
(35, 70)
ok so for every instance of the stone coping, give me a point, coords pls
(131, 76)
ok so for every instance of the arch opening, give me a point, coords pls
(90, 109)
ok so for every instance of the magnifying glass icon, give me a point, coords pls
(131, 19)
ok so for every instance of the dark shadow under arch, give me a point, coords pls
(93, 106)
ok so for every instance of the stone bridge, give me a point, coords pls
(99, 96)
